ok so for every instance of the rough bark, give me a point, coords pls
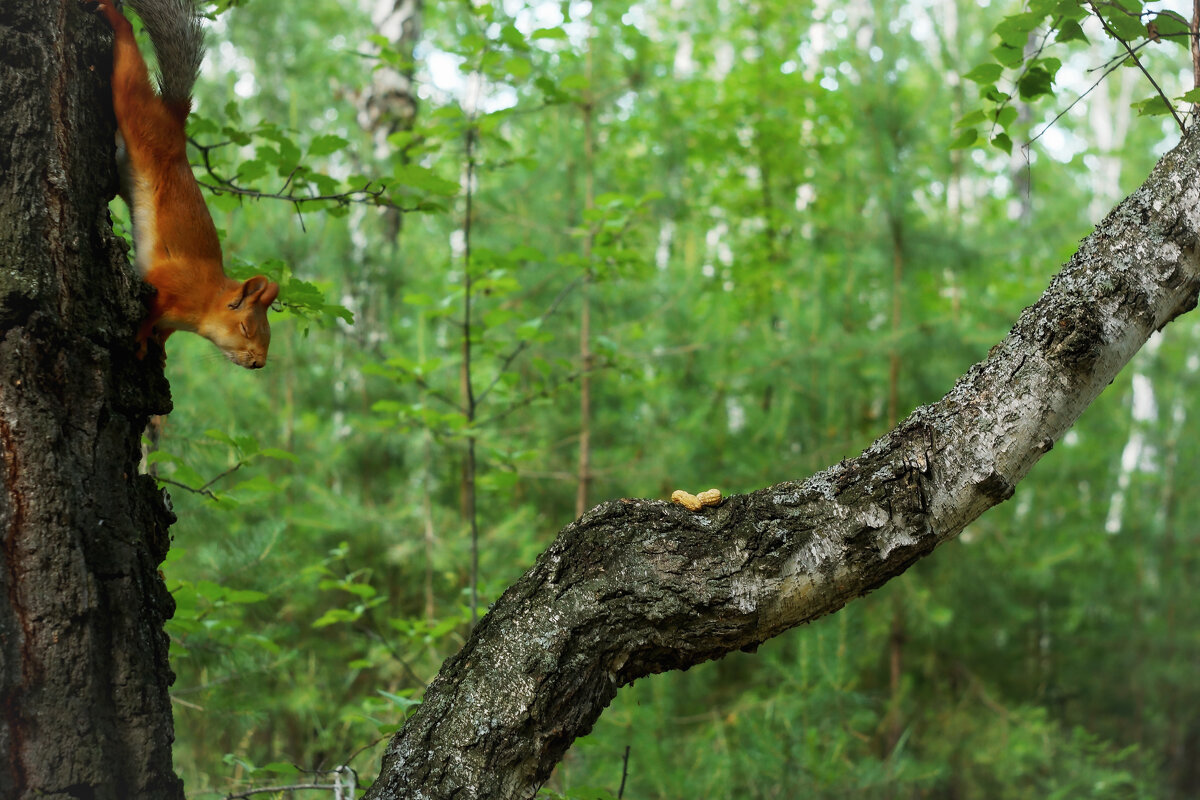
(84, 711)
(636, 587)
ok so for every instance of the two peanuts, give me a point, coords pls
(694, 502)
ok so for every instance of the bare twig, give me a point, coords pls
(192, 489)
(367, 747)
(206, 488)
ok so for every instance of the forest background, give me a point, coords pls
(656, 246)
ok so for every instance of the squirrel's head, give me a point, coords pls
(241, 329)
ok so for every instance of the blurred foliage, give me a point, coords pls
(784, 254)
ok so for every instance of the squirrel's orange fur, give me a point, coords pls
(175, 241)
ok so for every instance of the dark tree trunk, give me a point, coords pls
(636, 587)
(84, 710)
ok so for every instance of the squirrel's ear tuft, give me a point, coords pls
(251, 290)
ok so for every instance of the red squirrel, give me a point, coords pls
(175, 242)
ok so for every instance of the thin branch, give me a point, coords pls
(1024, 70)
(295, 787)
(1138, 62)
(206, 488)
(624, 773)
(367, 194)
(224, 474)
(1116, 60)
(367, 746)
(192, 489)
(524, 343)
(1115, 65)
(529, 399)
(374, 195)
(434, 393)
(469, 469)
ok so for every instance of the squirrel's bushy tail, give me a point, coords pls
(178, 40)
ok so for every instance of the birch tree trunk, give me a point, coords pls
(84, 710)
(636, 587)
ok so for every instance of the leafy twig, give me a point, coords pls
(1113, 65)
(375, 195)
(1138, 62)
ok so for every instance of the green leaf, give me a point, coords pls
(1008, 55)
(250, 171)
(1002, 142)
(210, 591)
(985, 73)
(257, 483)
(1005, 116)
(513, 38)
(472, 44)
(333, 616)
(398, 700)
(281, 767)
(1070, 31)
(1152, 106)
(576, 82)
(965, 139)
(1014, 31)
(1192, 96)
(326, 144)
(1036, 81)
(245, 596)
(1125, 27)
(363, 590)
(549, 33)
(971, 118)
(1073, 10)
(225, 202)
(995, 95)
(519, 67)
(425, 179)
(220, 436)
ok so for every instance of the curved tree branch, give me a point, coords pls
(636, 587)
